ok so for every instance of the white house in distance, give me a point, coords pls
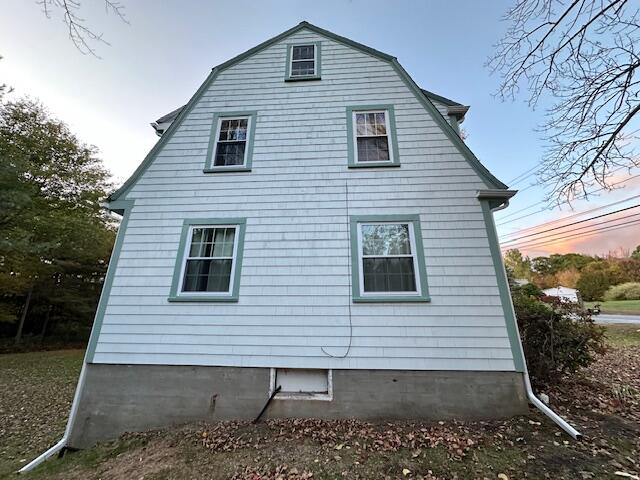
(564, 293)
(312, 220)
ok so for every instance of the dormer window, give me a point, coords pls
(303, 62)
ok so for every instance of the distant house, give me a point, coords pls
(310, 220)
(564, 293)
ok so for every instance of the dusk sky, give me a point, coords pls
(157, 61)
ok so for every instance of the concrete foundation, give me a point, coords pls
(119, 398)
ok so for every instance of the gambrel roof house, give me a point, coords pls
(310, 221)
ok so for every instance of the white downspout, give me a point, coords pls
(62, 443)
(539, 404)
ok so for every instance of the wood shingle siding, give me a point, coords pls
(295, 292)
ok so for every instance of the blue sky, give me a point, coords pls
(156, 63)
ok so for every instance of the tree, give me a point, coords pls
(83, 37)
(520, 266)
(594, 281)
(54, 231)
(585, 54)
(636, 253)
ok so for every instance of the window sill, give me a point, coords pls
(392, 299)
(374, 164)
(226, 169)
(302, 79)
(323, 397)
(203, 298)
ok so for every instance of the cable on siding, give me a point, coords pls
(346, 205)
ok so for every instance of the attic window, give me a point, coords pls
(303, 62)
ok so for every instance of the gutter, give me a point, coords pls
(499, 200)
(62, 443)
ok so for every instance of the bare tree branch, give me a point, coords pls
(83, 37)
(585, 56)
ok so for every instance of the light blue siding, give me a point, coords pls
(295, 286)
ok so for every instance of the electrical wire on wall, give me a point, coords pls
(346, 204)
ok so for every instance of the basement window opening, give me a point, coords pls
(301, 384)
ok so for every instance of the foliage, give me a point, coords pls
(624, 291)
(593, 284)
(636, 253)
(520, 266)
(557, 339)
(585, 55)
(56, 238)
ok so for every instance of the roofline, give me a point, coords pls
(439, 98)
(418, 92)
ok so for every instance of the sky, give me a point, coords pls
(156, 61)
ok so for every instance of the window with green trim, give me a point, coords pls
(389, 259)
(372, 140)
(208, 261)
(231, 142)
(303, 61)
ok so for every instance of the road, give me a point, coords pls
(605, 318)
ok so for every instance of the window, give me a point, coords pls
(301, 384)
(390, 259)
(231, 143)
(303, 62)
(372, 139)
(208, 261)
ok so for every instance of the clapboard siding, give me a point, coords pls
(296, 274)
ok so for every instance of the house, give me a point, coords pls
(565, 294)
(309, 220)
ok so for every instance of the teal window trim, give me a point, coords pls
(175, 295)
(357, 295)
(124, 208)
(351, 137)
(209, 166)
(503, 285)
(318, 63)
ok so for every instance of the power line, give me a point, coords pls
(578, 228)
(541, 242)
(579, 197)
(573, 223)
(579, 214)
(563, 203)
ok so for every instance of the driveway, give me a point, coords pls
(605, 318)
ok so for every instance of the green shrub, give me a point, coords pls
(593, 283)
(624, 291)
(557, 339)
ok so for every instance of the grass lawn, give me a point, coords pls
(628, 307)
(603, 402)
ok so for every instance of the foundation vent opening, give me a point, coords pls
(302, 384)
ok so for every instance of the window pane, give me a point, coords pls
(373, 149)
(370, 124)
(303, 52)
(231, 130)
(207, 276)
(224, 242)
(389, 274)
(230, 153)
(212, 242)
(386, 239)
(302, 68)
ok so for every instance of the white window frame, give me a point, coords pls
(326, 397)
(186, 257)
(413, 254)
(315, 60)
(356, 136)
(246, 142)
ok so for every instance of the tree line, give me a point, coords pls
(55, 239)
(591, 274)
